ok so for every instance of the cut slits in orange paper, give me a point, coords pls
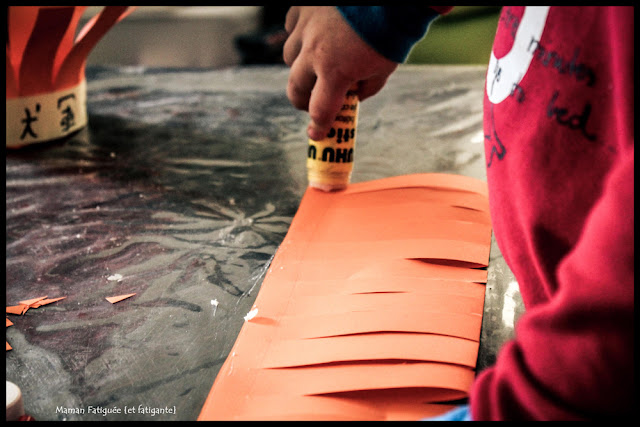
(316, 380)
(370, 310)
(397, 284)
(378, 302)
(380, 346)
(360, 268)
(390, 320)
(119, 298)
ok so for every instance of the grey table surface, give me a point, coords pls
(185, 183)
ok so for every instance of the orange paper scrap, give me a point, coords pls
(25, 305)
(119, 298)
(9, 323)
(17, 309)
(371, 308)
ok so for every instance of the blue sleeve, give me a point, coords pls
(390, 30)
(461, 413)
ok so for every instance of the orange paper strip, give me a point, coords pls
(316, 380)
(73, 66)
(371, 308)
(378, 302)
(472, 253)
(361, 268)
(389, 320)
(420, 268)
(8, 346)
(119, 298)
(453, 202)
(45, 302)
(68, 39)
(37, 66)
(20, 23)
(29, 302)
(433, 227)
(372, 347)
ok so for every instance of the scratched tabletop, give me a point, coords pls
(180, 190)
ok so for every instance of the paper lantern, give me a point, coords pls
(46, 86)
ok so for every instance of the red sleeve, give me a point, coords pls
(572, 357)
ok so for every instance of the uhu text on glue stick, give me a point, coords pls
(330, 161)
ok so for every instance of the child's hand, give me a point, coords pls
(327, 58)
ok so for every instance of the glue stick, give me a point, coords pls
(330, 160)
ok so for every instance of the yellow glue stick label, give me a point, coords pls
(330, 161)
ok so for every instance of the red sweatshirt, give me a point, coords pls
(558, 124)
(558, 127)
